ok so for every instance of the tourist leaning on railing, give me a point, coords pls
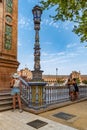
(71, 90)
(76, 88)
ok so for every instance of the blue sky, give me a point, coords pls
(60, 47)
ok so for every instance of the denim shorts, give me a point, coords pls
(15, 91)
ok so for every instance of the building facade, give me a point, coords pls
(53, 79)
(8, 41)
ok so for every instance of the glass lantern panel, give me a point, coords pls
(35, 14)
(38, 13)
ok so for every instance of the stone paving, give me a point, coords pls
(18, 121)
(78, 109)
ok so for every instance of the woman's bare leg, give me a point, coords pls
(77, 94)
(14, 101)
(72, 96)
(19, 101)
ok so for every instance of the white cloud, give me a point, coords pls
(65, 61)
(50, 22)
(70, 45)
(58, 25)
(67, 25)
(77, 49)
(25, 22)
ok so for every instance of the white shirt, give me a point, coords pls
(17, 83)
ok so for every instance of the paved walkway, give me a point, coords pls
(18, 121)
(77, 109)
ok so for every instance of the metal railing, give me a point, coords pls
(56, 94)
(50, 94)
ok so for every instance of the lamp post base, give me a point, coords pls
(37, 95)
(37, 75)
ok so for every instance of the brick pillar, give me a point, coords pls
(8, 41)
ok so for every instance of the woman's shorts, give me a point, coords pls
(72, 89)
(15, 91)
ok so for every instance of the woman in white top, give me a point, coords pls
(71, 90)
(15, 92)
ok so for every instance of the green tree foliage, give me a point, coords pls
(78, 81)
(84, 81)
(72, 10)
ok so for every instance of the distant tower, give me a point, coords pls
(8, 41)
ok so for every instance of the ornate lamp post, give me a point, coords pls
(37, 84)
(37, 73)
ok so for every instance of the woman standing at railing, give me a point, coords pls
(71, 90)
(76, 88)
(15, 92)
